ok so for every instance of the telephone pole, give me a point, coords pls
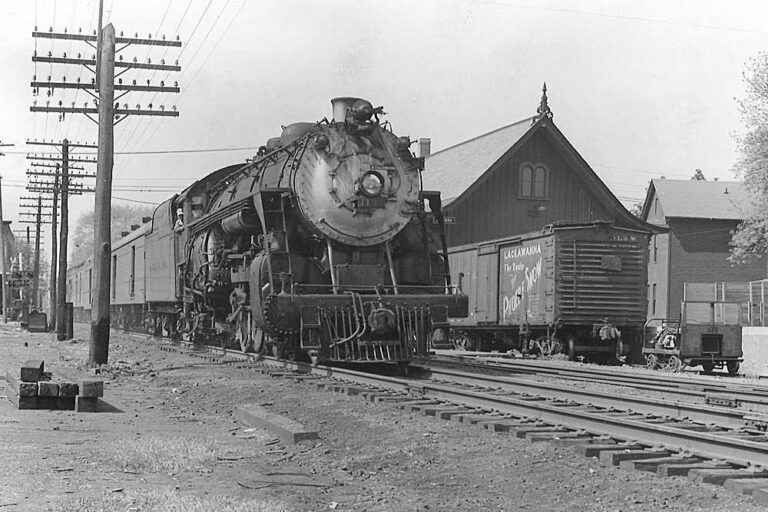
(61, 188)
(109, 113)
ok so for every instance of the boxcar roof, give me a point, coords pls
(698, 199)
(454, 169)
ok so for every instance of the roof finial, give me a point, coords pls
(543, 109)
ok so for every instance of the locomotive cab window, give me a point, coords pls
(533, 180)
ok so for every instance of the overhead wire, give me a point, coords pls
(213, 49)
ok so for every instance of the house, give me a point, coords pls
(517, 179)
(700, 215)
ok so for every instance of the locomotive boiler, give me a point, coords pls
(324, 244)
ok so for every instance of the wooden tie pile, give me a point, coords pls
(33, 388)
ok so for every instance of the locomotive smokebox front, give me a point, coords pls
(356, 183)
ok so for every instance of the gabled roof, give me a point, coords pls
(453, 170)
(456, 170)
(692, 199)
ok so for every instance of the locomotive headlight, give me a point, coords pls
(372, 184)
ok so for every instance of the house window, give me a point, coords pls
(653, 300)
(533, 180)
(655, 249)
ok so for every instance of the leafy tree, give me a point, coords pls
(750, 240)
(123, 217)
(698, 176)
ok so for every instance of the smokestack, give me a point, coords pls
(340, 106)
(425, 147)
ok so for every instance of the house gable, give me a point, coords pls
(496, 204)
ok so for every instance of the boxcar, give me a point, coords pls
(578, 289)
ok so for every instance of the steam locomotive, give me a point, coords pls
(324, 245)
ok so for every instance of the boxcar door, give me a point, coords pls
(486, 292)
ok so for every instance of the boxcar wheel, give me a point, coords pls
(708, 367)
(733, 367)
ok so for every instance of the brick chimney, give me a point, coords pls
(425, 147)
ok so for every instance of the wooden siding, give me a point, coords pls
(658, 276)
(699, 254)
(493, 208)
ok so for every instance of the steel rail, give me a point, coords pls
(746, 401)
(606, 374)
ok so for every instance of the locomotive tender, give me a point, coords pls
(323, 244)
(578, 289)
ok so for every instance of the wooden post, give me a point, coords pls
(36, 264)
(98, 350)
(2, 258)
(61, 291)
(54, 253)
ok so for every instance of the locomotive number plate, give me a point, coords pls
(371, 202)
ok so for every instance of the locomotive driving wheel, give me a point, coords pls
(242, 332)
(651, 361)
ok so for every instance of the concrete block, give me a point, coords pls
(86, 403)
(287, 430)
(32, 370)
(23, 402)
(614, 458)
(91, 388)
(652, 465)
(719, 476)
(68, 389)
(20, 388)
(745, 485)
(48, 389)
(684, 469)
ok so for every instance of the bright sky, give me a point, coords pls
(641, 89)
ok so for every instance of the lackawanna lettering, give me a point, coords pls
(519, 252)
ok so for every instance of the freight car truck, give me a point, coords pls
(578, 289)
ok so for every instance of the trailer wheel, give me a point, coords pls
(674, 364)
(651, 361)
(733, 367)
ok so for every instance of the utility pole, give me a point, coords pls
(3, 287)
(61, 291)
(60, 187)
(98, 351)
(36, 264)
(109, 112)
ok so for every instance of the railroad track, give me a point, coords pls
(672, 436)
(747, 397)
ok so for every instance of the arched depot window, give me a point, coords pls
(534, 180)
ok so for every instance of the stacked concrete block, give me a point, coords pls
(32, 388)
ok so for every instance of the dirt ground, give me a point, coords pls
(174, 444)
